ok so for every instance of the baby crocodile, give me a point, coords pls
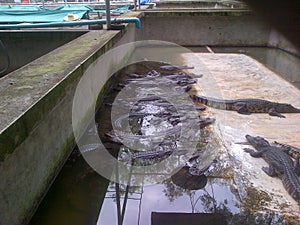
(159, 152)
(279, 164)
(175, 68)
(248, 106)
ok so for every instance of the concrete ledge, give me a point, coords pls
(36, 121)
(30, 92)
(24, 46)
(197, 12)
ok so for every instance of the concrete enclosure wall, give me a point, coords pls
(36, 134)
(24, 47)
(205, 28)
(211, 28)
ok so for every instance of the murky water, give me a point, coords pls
(75, 197)
(159, 189)
(167, 197)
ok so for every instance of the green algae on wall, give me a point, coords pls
(36, 126)
(49, 77)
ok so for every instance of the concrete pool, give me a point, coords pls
(231, 28)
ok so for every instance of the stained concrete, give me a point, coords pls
(191, 27)
(32, 87)
(36, 125)
(233, 76)
(26, 46)
(36, 132)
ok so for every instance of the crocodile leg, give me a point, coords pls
(273, 168)
(242, 108)
(255, 154)
(272, 112)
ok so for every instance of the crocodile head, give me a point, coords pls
(286, 108)
(257, 142)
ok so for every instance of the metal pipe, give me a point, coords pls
(126, 193)
(107, 8)
(118, 196)
(128, 20)
(70, 23)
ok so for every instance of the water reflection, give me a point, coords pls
(81, 196)
(215, 203)
(75, 197)
(188, 181)
(142, 205)
(183, 186)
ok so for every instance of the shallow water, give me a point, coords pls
(81, 196)
(75, 197)
(167, 197)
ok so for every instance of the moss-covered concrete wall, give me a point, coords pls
(26, 46)
(36, 132)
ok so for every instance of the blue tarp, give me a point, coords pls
(74, 8)
(36, 14)
(37, 17)
(20, 8)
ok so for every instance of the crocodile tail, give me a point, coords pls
(296, 110)
(200, 99)
(286, 108)
(292, 109)
(292, 151)
(292, 184)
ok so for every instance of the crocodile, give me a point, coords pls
(292, 151)
(168, 106)
(202, 122)
(175, 68)
(280, 164)
(120, 135)
(174, 76)
(162, 81)
(247, 106)
(164, 149)
(173, 132)
(188, 88)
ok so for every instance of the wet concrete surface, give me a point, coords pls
(233, 76)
